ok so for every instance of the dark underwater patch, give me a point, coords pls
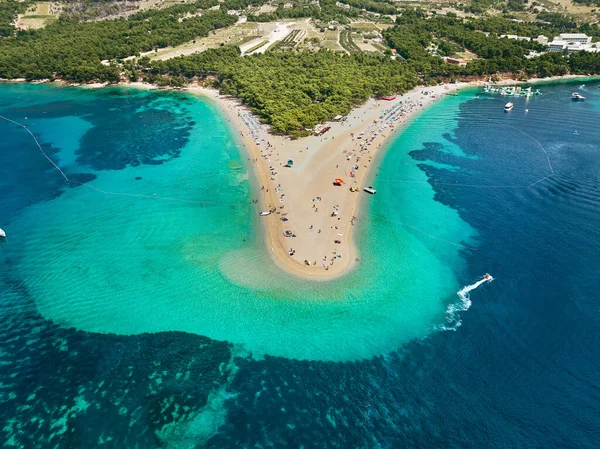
(432, 151)
(118, 140)
(80, 178)
(77, 389)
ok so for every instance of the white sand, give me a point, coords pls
(304, 195)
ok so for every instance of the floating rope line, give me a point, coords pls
(38, 144)
(488, 186)
(106, 192)
(483, 186)
(457, 184)
(450, 242)
(531, 137)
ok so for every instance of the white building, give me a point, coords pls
(572, 48)
(574, 38)
(541, 39)
(570, 43)
(557, 46)
(515, 37)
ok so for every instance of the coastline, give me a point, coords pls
(310, 232)
(320, 215)
(324, 245)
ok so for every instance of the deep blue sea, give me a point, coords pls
(131, 317)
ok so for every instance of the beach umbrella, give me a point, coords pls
(340, 180)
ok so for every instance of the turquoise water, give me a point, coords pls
(520, 372)
(166, 240)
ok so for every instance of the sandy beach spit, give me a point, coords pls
(309, 232)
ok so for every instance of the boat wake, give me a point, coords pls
(452, 311)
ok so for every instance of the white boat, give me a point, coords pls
(370, 190)
(267, 212)
(576, 96)
(508, 106)
(2, 233)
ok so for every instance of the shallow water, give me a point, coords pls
(159, 238)
(458, 196)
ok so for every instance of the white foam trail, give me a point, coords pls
(463, 305)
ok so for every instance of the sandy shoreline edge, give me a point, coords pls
(310, 232)
(320, 215)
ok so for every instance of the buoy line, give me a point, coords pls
(450, 242)
(488, 186)
(106, 192)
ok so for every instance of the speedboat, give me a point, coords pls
(2, 234)
(508, 106)
(370, 190)
(576, 96)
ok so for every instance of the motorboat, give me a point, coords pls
(2, 234)
(370, 190)
(576, 96)
(508, 106)
(265, 213)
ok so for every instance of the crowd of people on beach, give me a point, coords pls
(350, 165)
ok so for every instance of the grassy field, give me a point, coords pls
(364, 27)
(347, 42)
(330, 40)
(238, 34)
(38, 15)
(257, 46)
(578, 11)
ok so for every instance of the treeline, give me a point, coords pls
(328, 11)
(381, 7)
(325, 12)
(557, 20)
(73, 50)
(241, 4)
(480, 6)
(293, 91)
(588, 2)
(413, 34)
